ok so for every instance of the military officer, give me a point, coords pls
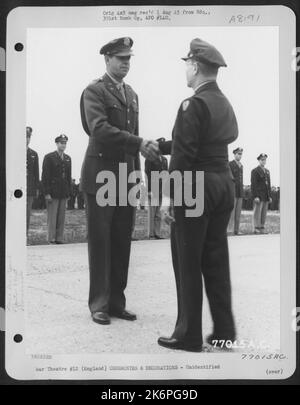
(109, 114)
(56, 180)
(73, 195)
(80, 197)
(237, 172)
(32, 171)
(261, 193)
(204, 126)
(154, 216)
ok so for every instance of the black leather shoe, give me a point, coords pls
(175, 344)
(158, 237)
(59, 242)
(127, 315)
(101, 317)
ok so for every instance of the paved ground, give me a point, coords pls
(57, 288)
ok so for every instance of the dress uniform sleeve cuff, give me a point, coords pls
(132, 144)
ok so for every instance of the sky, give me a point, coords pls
(61, 62)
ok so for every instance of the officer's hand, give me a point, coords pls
(167, 214)
(48, 198)
(256, 200)
(150, 150)
(270, 200)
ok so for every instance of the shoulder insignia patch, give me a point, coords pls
(185, 105)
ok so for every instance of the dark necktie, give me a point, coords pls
(121, 89)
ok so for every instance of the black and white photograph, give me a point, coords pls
(155, 151)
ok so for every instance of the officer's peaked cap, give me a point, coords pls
(61, 138)
(262, 156)
(118, 47)
(204, 52)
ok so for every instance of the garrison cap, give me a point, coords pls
(204, 52)
(118, 47)
(61, 138)
(262, 156)
(238, 150)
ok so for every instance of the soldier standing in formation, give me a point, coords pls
(109, 114)
(80, 197)
(237, 172)
(56, 180)
(154, 216)
(32, 171)
(204, 127)
(261, 193)
(73, 195)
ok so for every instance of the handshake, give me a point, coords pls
(150, 150)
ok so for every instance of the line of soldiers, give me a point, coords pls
(56, 189)
(56, 185)
(260, 192)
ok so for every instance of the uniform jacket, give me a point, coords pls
(237, 172)
(204, 126)
(154, 166)
(56, 175)
(261, 184)
(112, 126)
(32, 166)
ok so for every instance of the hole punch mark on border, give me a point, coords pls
(18, 338)
(18, 193)
(19, 47)
(2, 60)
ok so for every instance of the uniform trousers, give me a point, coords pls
(199, 249)
(260, 213)
(109, 232)
(56, 209)
(235, 217)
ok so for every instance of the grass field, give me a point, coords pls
(75, 227)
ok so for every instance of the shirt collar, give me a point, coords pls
(202, 84)
(116, 82)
